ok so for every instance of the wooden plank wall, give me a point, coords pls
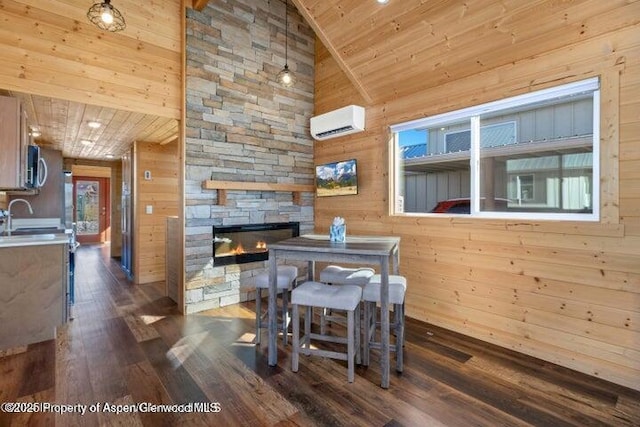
(51, 49)
(162, 193)
(566, 292)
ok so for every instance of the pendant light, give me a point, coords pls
(106, 17)
(286, 77)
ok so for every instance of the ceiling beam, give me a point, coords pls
(306, 14)
(199, 4)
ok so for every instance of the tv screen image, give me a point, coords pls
(336, 179)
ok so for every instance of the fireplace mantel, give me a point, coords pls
(223, 186)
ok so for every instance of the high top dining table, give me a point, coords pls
(381, 251)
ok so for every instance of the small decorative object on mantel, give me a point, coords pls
(338, 230)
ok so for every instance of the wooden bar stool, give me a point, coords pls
(315, 294)
(371, 297)
(287, 275)
(338, 275)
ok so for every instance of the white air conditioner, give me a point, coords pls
(342, 121)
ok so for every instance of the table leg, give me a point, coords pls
(311, 268)
(384, 322)
(273, 315)
(396, 260)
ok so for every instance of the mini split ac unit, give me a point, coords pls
(342, 121)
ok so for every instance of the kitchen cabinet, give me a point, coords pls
(33, 291)
(14, 139)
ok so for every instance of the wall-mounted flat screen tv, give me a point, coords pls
(337, 179)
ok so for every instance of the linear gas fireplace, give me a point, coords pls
(238, 244)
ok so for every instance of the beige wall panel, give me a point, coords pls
(633, 226)
(456, 290)
(91, 170)
(162, 193)
(138, 69)
(566, 292)
(566, 257)
(527, 339)
(630, 148)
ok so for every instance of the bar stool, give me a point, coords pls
(315, 294)
(371, 297)
(287, 275)
(338, 275)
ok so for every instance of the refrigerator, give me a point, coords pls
(70, 230)
(126, 259)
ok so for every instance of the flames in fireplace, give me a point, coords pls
(261, 246)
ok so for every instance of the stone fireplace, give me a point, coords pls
(240, 244)
(242, 126)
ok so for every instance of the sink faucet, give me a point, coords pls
(9, 212)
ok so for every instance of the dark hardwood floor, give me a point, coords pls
(126, 345)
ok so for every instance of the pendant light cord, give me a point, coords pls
(286, 32)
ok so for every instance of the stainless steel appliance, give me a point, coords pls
(36, 170)
(70, 230)
(127, 215)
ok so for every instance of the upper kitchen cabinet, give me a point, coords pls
(14, 140)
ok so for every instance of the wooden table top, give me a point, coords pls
(318, 243)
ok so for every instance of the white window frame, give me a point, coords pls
(473, 114)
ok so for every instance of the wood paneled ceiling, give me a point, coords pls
(387, 51)
(396, 49)
(64, 126)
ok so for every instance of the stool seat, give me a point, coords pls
(322, 295)
(286, 275)
(337, 275)
(397, 289)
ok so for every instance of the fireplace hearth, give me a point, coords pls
(239, 244)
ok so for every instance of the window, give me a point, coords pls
(531, 156)
(523, 187)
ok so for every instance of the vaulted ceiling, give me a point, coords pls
(387, 51)
(395, 49)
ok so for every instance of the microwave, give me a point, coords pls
(36, 168)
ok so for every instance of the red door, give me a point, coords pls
(91, 208)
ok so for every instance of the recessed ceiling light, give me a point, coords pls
(383, 1)
(109, 156)
(94, 125)
(86, 142)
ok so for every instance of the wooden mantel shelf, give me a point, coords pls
(223, 186)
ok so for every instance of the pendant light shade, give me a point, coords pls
(106, 17)
(286, 77)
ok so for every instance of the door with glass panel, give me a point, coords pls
(91, 209)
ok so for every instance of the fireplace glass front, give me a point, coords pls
(238, 244)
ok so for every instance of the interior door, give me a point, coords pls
(91, 209)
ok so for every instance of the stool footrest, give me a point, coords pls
(328, 338)
(323, 353)
(376, 345)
